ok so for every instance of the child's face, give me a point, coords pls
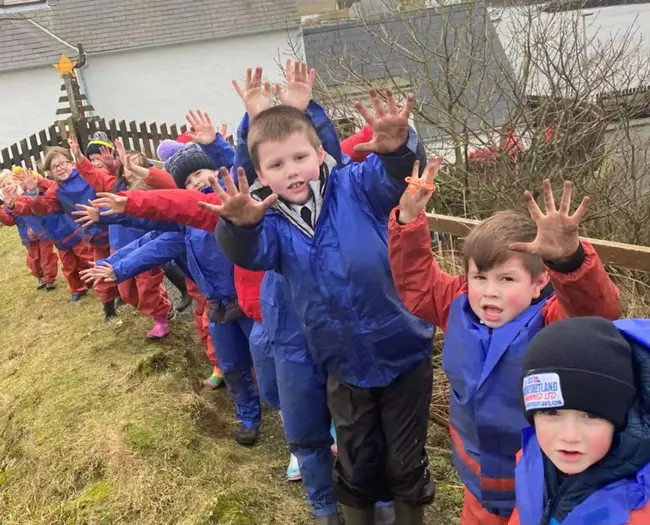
(97, 161)
(9, 186)
(287, 166)
(571, 439)
(61, 168)
(502, 293)
(200, 179)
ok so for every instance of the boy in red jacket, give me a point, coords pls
(520, 276)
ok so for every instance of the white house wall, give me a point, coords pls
(154, 85)
(28, 102)
(601, 28)
(162, 84)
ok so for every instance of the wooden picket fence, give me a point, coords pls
(143, 137)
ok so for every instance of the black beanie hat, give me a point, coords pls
(186, 161)
(98, 140)
(583, 363)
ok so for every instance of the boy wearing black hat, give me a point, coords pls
(586, 459)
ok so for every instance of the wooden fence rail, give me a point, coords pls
(611, 253)
(143, 137)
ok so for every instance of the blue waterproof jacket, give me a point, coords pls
(614, 491)
(483, 366)
(75, 190)
(338, 273)
(59, 227)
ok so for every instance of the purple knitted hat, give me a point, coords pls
(167, 148)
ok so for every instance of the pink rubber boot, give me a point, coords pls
(160, 328)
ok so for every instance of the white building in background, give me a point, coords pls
(146, 61)
(624, 26)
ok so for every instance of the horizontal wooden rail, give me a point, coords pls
(612, 253)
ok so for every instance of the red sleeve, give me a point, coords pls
(41, 205)
(424, 288)
(347, 146)
(45, 184)
(160, 180)
(173, 205)
(585, 292)
(99, 179)
(6, 218)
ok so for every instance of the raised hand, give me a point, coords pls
(300, 84)
(256, 94)
(557, 231)
(203, 129)
(108, 159)
(419, 190)
(135, 169)
(223, 131)
(74, 147)
(390, 124)
(30, 180)
(121, 151)
(112, 202)
(9, 196)
(237, 205)
(87, 214)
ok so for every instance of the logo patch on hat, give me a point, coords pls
(542, 391)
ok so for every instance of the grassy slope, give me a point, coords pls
(98, 426)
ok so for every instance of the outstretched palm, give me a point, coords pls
(390, 124)
(256, 94)
(203, 131)
(557, 231)
(114, 203)
(237, 205)
(300, 84)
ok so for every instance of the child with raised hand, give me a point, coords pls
(302, 384)
(146, 291)
(233, 294)
(521, 274)
(74, 252)
(324, 229)
(41, 259)
(71, 189)
(586, 458)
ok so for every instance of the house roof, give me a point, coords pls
(354, 52)
(112, 25)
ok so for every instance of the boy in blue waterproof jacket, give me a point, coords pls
(326, 233)
(586, 459)
(301, 384)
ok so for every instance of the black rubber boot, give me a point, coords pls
(330, 519)
(247, 436)
(354, 516)
(408, 515)
(184, 303)
(177, 278)
(385, 515)
(109, 310)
